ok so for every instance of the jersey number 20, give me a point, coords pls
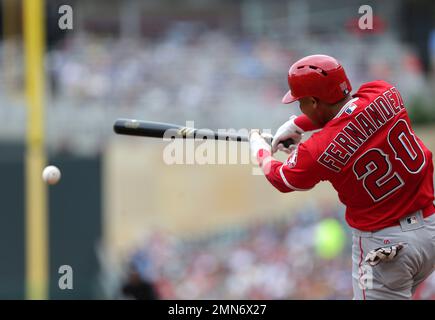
(375, 169)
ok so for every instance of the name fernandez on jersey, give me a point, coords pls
(361, 128)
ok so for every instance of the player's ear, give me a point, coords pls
(314, 102)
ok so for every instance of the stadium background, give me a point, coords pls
(191, 231)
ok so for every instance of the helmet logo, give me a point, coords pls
(343, 87)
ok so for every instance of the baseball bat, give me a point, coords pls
(134, 127)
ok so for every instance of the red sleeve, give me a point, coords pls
(305, 123)
(299, 173)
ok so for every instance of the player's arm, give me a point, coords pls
(305, 123)
(298, 174)
(292, 129)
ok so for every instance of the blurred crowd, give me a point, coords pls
(192, 72)
(280, 259)
(265, 260)
(218, 79)
(187, 74)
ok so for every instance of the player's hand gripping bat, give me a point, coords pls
(153, 129)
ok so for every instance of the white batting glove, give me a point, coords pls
(268, 137)
(289, 130)
(257, 142)
(383, 254)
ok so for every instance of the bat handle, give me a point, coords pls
(287, 143)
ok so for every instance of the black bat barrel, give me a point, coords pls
(134, 127)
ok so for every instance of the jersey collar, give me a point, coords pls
(345, 107)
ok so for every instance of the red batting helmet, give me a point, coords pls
(318, 76)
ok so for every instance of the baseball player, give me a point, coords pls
(383, 173)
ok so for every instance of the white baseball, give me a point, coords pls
(51, 175)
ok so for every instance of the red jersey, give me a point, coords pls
(381, 170)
